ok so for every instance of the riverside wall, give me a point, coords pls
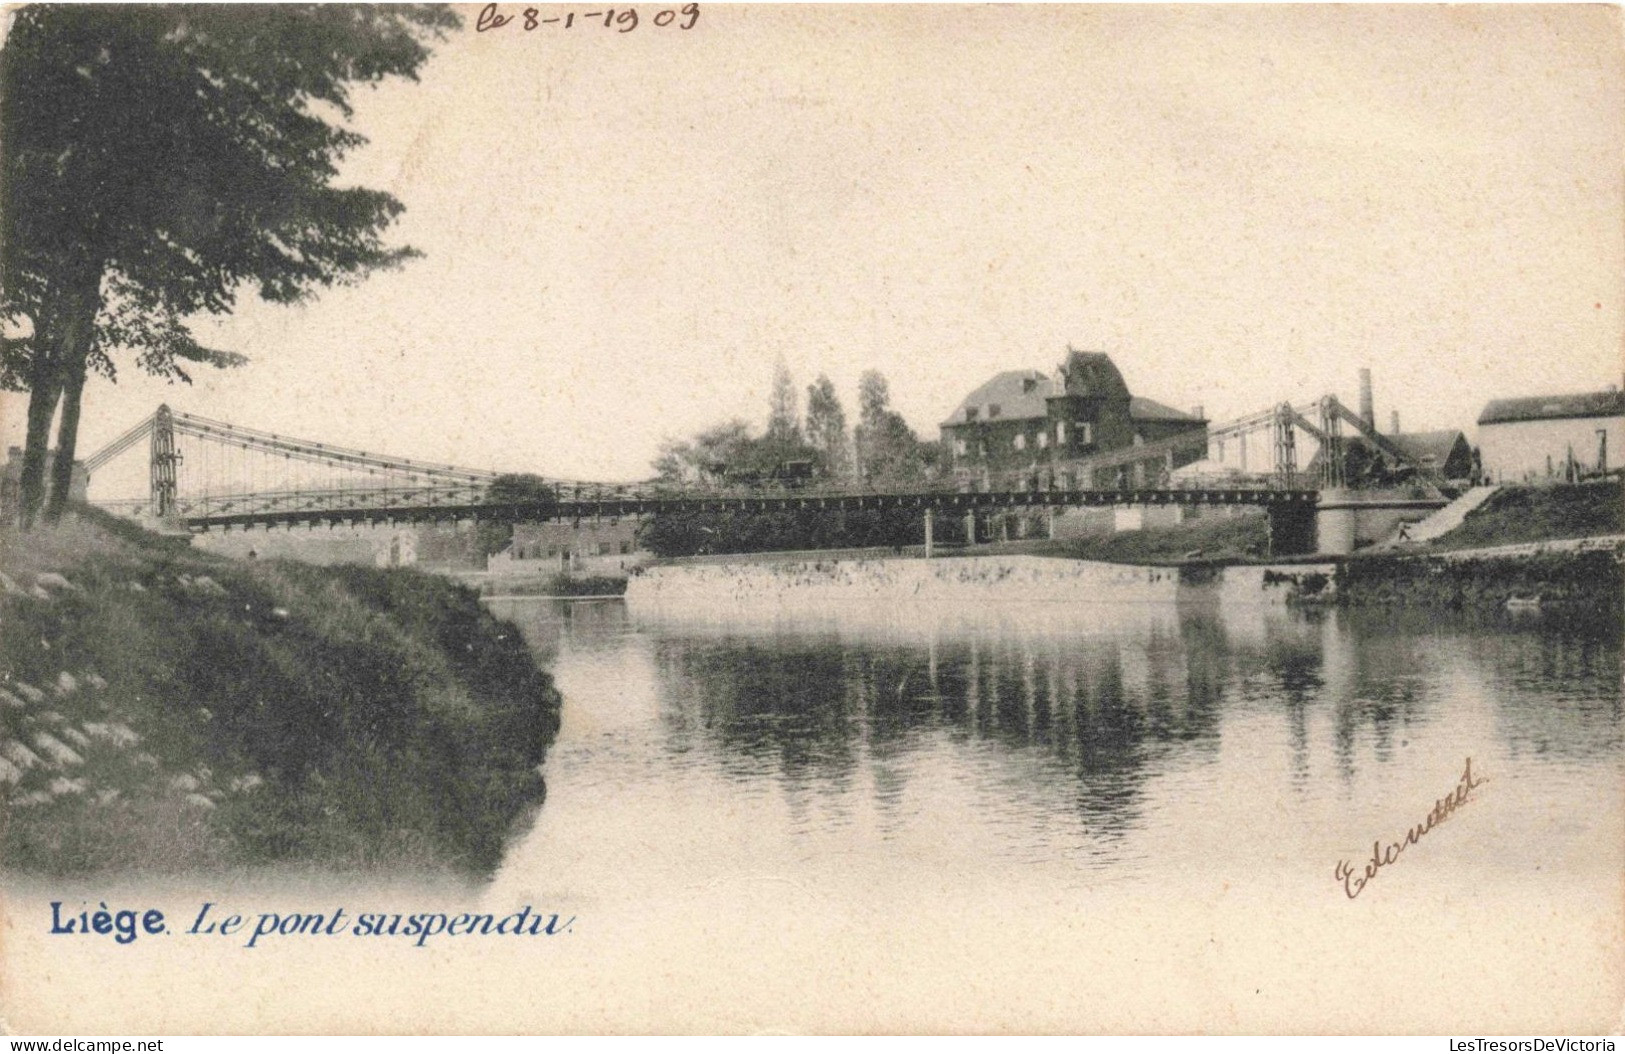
(817, 582)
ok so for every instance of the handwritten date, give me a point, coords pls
(620, 19)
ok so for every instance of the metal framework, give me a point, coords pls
(385, 489)
(608, 506)
(1284, 421)
(383, 480)
(164, 463)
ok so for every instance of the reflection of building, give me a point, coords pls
(589, 546)
(1538, 437)
(11, 488)
(1077, 429)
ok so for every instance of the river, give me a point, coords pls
(1083, 817)
(976, 817)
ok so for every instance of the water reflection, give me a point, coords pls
(1103, 734)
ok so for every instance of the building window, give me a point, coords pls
(1060, 433)
(992, 410)
(970, 413)
(1043, 440)
(1021, 441)
(960, 447)
(1086, 432)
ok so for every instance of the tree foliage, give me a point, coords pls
(888, 451)
(783, 422)
(157, 159)
(826, 429)
(729, 456)
(512, 488)
(706, 457)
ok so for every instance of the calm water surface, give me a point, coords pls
(925, 751)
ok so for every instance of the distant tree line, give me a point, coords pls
(880, 452)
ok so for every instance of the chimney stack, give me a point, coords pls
(1368, 413)
(1396, 422)
(1196, 412)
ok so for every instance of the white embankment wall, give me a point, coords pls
(975, 579)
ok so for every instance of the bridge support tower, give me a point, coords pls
(1348, 519)
(1286, 447)
(164, 464)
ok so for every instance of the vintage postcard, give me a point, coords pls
(687, 517)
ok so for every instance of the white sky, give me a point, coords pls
(1241, 205)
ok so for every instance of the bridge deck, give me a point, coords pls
(615, 506)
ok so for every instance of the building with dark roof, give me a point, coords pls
(1079, 427)
(1552, 436)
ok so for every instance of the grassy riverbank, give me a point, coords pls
(1517, 514)
(1582, 582)
(1586, 583)
(164, 709)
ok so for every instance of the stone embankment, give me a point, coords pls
(1577, 573)
(815, 582)
(1582, 575)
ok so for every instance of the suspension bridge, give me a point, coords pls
(202, 474)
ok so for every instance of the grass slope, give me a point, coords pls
(1516, 514)
(165, 709)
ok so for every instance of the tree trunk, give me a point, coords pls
(67, 440)
(60, 364)
(42, 398)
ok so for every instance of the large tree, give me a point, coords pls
(518, 488)
(888, 451)
(783, 425)
(826, 428)
(704, 459)
(157, 159)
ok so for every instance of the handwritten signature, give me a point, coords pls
(1355, 881)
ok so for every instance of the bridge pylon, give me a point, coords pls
(1286, 446)
(163, 463)
(1333, 469)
